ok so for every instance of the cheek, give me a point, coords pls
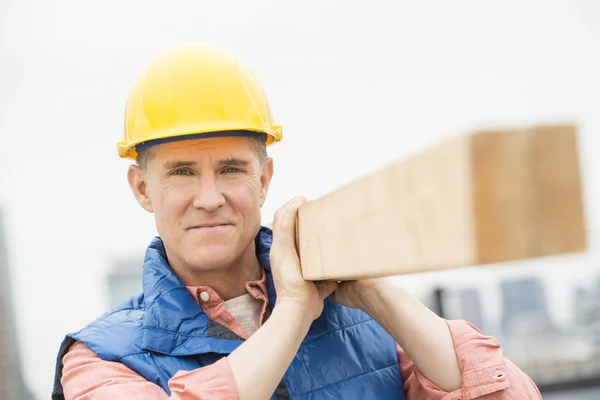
(245, 195)
(170, 202)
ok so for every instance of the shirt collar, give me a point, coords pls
(255, 288)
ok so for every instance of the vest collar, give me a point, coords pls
(174, 323)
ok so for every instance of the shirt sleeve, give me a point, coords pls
(87, 377)
(485, 372)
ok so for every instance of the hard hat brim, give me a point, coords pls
(133, 150)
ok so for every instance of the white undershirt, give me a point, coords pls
(246, 309)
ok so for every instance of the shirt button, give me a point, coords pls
(204, 296)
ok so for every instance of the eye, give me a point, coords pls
(181, 172)
(230, 170)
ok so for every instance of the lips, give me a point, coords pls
(209, 225)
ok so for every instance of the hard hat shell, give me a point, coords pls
(195, 90)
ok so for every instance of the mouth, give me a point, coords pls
(210, 225)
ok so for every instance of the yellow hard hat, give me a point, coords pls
(195, 90)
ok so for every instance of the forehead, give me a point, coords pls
(204, 148)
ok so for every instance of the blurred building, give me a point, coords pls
(124, 281)
(524, 309)
(465, 303)
(586, 312)
(469, 302)
(12, 386)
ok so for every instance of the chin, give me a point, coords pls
(211, 257)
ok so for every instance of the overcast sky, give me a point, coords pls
(355, 85)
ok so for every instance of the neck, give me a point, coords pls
(230, 281)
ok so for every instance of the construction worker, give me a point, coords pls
(225, 312)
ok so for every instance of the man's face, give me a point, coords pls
(206, 196)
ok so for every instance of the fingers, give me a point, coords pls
(284, 223)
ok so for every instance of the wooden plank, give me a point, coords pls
(485, 198)
(502, 199)
(559, 212)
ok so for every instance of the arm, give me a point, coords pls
(485, 372)
(259, 363)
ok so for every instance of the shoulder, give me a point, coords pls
(113, 334)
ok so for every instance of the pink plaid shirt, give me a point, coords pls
(485, 372)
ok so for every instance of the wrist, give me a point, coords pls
(296, 311)
(364, 293)
(372, 294)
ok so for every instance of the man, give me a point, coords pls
(225, 312)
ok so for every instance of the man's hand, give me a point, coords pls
(285, 265)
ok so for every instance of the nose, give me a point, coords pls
(208, 196)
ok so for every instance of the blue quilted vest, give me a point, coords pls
(345, 355)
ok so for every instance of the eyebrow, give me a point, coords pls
(178, 164)
(233, 162)
(224, 162)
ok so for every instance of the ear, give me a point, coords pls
(265, 179)
(139, 187)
